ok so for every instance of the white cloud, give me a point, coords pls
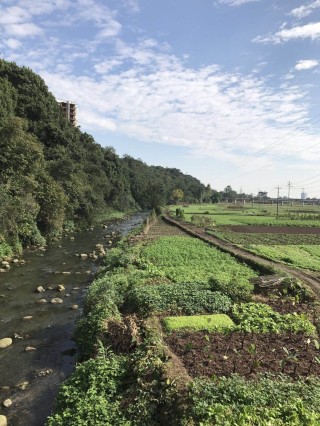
(12, 43)
(306, 64)
(209, 111)
(311, 30)
(305, 10)
(23, 30)
(132, 5)
(236, 2)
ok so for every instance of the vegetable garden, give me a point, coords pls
(174, 333)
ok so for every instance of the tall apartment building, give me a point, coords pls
(70, 111)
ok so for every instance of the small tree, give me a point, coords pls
(177, 195)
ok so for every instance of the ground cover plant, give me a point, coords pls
(301, 256)
(231, 214)
(191, 260)
(266, 401)
(216, 322)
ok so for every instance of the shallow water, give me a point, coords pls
(51, 327)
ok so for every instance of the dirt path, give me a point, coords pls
(312, 280)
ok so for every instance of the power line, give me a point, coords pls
(275, 143)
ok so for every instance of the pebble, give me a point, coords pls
(3, 420)
(56, 300)
(7, 403)
(40, 289)
(23, 385)
(60, 287)
(5, 342)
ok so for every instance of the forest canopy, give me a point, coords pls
(52, 173)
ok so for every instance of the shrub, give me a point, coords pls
(187, 298)
(237, 289)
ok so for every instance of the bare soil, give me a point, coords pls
(219, 354)
(265, 229)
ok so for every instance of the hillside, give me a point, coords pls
(52, 173)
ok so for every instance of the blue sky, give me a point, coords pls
(225, 90)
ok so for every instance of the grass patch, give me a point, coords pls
(216, 322)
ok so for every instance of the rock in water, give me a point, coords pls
(5, 342)
(7, 403)
(3, 421)
(56, 300)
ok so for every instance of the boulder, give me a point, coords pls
(74, 307)
(15, 261)
(40, 289)
(99, 247)
(83, 255)
(2, 270)
(5, 342)
(5, 263)
(41, 301)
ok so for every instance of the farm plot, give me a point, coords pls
(174, 338)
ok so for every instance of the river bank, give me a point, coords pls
(30, 378)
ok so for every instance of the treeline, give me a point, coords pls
(52, 173)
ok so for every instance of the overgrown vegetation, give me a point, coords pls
(52, 173)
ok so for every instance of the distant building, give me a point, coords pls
(70, 111)
(303, 195)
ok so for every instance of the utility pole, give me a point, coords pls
(278, 187)
(289, 187)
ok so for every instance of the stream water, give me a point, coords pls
(30, 378)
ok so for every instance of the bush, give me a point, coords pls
(91, 396)
(187, 298)
(238, 289)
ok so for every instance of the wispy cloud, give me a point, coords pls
(311, 30)
(236, 2)
(305, 10)
(306, 64)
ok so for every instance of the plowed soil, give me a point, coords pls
(218, 354)
(265, 229)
